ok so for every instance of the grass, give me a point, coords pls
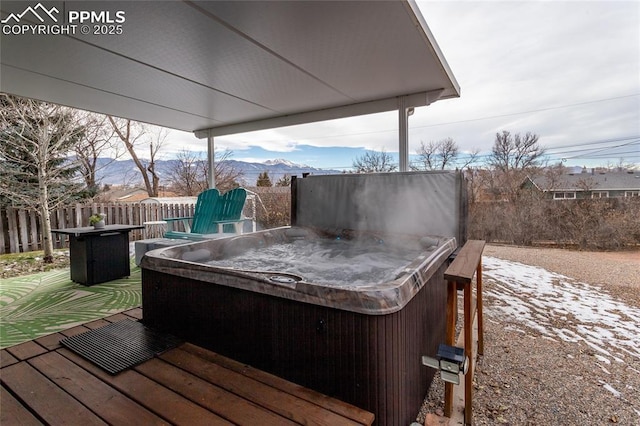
(15, 264)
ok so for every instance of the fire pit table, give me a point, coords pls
(98, 255)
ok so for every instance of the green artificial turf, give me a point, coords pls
(35, 305)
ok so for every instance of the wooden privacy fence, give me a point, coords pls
(21, 230)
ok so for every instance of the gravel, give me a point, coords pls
(569, 352)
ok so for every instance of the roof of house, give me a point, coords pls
(118, 194)
(169, 200)
(590, 181)
(129, 195)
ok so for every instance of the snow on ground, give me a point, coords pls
(559, 307)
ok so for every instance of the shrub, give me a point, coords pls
(605, 224)
(273, 207)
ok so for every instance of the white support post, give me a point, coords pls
(403, 136)
(212, 162)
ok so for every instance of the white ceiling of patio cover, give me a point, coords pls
(201, 65)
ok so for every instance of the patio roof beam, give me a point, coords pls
(363, 108)
(211, 158)
(403, 133)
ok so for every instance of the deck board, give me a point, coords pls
(52, 404)
(335, 405)
(274, 399)
(50, 341)
(43, 382)
(14, 413)
(73, 331)
(26, 350)
(6, 358)
(157, 398)
(226, 404)
(106, 402)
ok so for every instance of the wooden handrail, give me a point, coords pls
(459, 275)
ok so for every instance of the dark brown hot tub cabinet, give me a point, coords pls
(371, 361)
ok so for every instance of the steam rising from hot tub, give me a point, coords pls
(415, 203)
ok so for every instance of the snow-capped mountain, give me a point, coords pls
(125, 172)
(285, 163)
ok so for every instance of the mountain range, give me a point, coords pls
(125, 172)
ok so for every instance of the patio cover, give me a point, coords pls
(224, 67)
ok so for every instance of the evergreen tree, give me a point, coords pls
(284, 181)
(264, 180)
(36, 139)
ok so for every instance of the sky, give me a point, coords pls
(568, 71)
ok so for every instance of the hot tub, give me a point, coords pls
(357, 340)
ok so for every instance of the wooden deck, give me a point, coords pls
(45, 383)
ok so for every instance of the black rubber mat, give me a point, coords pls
(120, 345)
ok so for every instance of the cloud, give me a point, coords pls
(521, 56)
(567, 71)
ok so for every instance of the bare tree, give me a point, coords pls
(136, 138)
(35, 141)
(475, 180)
(513, 158)
(516, 152)
(471, 158)
(427, 157)
(586, 183)
(226, 175)
(155, 139)
(437, 155)
(373, 162)
(189, 174)
(98, 138)
(553, 176)
(442, 155)
(621, 166)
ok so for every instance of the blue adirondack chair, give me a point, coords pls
(196, 223)
(229, 211)
(214, 214)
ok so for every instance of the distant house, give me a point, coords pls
(588, 184)
(128, 195)
(123, 194)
